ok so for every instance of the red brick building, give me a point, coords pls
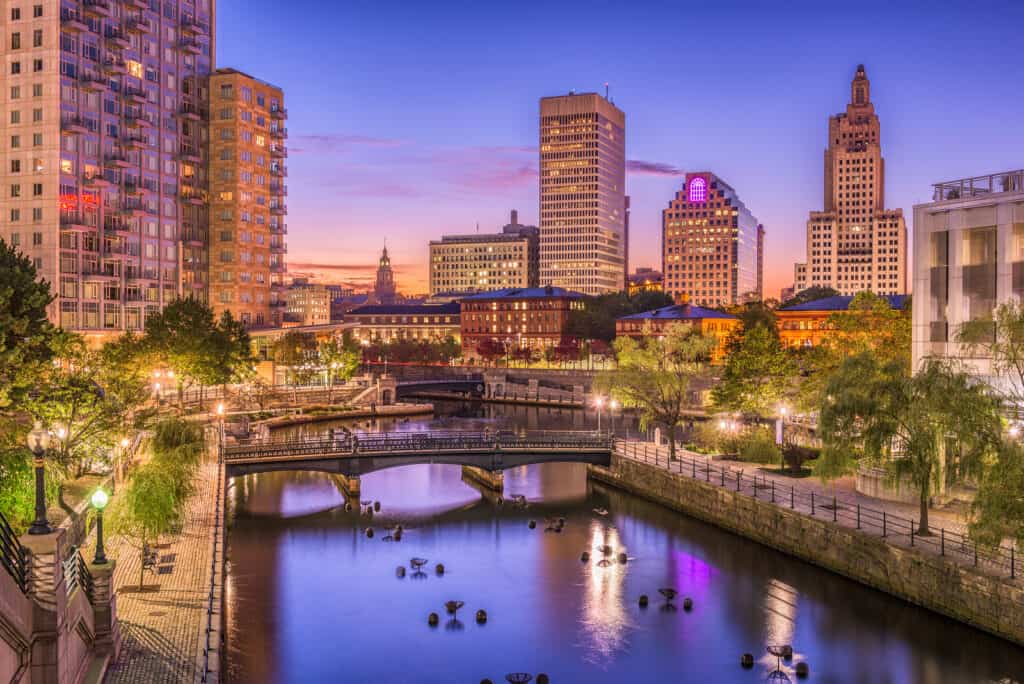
(534, 317)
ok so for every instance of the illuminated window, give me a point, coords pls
(134, 68)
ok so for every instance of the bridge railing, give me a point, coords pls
(13, 556)
(398, 442)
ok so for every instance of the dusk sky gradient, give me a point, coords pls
(408, 120)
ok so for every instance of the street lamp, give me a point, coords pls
(780, 423)
(38, 442)
(599, 403)
(612, 407)
(99, 502)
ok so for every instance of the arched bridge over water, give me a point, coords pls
(351, 455)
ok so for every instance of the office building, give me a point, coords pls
(535, 318)
(855, 243)
(582, 193)
(307, 304)
(711, 244)
(645, 280)
(247, 198)
(491, 261)
(102, 163)
(968, 258)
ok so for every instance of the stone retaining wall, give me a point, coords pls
(992, 604)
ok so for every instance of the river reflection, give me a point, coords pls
(312, 599)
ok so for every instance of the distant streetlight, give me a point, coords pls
(780, 424)
(99, 502)
(39, 441)
(599, 404)
(613, 406)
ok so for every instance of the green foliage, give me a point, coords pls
(596, 321)
(933, 427)
(754, 314)
(230, 349)
(999, 507)
(811, 294)
(24, 330)
(417, 351)
(17, 476)
(654, 375)
(758, 375)
(180, 336)
(297, 353)
(757, 445)
(340, 359)
(1000, 338)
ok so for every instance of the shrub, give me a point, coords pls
(757, 445)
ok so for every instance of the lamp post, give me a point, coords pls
(613, 405)
(38, 442)
(99, 502)
(780, 423)
(599, 403)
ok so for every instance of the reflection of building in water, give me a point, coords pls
(549, 482)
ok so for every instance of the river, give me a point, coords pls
(310, 598)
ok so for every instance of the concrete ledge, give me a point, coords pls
(991, 604)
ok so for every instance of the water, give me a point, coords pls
(311, 599)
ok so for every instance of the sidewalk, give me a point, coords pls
(894, 521)
(163, 631)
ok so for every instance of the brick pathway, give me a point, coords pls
(163, 631)
(809, 496)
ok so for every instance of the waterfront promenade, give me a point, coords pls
(163, 628)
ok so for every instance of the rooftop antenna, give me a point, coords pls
(478, 227)
(606, 90)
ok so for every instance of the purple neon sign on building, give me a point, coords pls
(698, 191)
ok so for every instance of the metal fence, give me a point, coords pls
(1001, 560)
(12, 555)
(214, 603)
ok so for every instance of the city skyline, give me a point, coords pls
(382, 135)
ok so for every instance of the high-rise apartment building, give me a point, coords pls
(102, 167)
(492, 261)
(582, 193)
(856, 243)
(247, 197)
(711, 244)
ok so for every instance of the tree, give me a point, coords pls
(937, 426)
(753, 314)
(296, 352)
(596, 320)
(183, 337)
(123, 373)
(231, 348)
(25, 332)
(448, 349)
(811, 294)
(489, 349)
(654, 375)
(1001, 339)
(998, 507)
(341, 358)
(758, 373)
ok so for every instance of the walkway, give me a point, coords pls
(163, 631)
(896, 522)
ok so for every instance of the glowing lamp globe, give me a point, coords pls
(99, 499)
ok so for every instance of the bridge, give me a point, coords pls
(471, 384)
(485, 455)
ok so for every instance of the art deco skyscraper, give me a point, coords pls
(855, 243)
(102, 163)
(247, 197)
(582, 193)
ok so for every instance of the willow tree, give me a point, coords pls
(1000, 339)
(937, 426)
(655, 375)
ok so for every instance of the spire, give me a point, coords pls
(860, 88)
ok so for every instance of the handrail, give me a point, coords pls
(76, 574)
(841, 510)
(13, 556)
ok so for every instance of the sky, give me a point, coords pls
(409, 120)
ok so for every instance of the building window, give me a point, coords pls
(698, 191)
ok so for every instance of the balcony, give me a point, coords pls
(190, 111)
(117, 160)
(134, 142)
(78, 223)
(278, 248)
(116, 38)
(137, 122)
(73, 125)
(136, 25)
(97, 181)
(116, 227)
(115, 67)
(97, 8)
(279, 210)
(73, 22)
(135, 96)
(278, 189)
(192, 237)
(278, 151)
(279, 171)
(138, 4)
(187, 153)
(280, 113)
(278, 229)
(190, 45)
(281, 133)
(192, 196)
(191, 27)
(92, 82)
(131, 208)
(133, 189)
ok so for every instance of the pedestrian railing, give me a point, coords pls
(211, 640)
(77, 575)
(411, 442)
(13, 556)
(1001, 559)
